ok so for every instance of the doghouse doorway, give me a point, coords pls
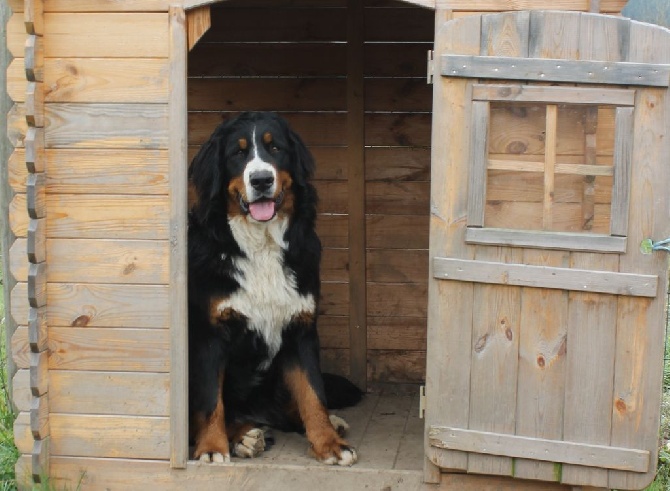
(351, 80)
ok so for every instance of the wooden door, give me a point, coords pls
(546, 319)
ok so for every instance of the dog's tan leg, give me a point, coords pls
(326, 444)
(211, 439)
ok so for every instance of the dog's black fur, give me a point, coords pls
(235, 373)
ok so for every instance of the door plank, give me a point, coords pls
(575, 279)
(541, 376)
(638, 371)
(448, 378)
(540, 449)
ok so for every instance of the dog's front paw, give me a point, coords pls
(251, 445)
(214, 458)
(341, 455)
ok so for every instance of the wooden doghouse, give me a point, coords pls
(496, 227)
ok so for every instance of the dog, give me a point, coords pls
(253, 287)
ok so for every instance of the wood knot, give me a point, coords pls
(516, 147)
(81, 321)
(129, 268)
(541, 362)
(621, 406)
(481, 343)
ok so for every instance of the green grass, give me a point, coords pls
(8, 452)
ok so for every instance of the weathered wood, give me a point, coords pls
(16, 80)
(6, 236)
(548, 70)
(549, 166)
(638, 372)
(36, 195)
(91, 171)
(106, 35)
(248, 476)
(108, 6)
(546, 240)
(562, 95)
(447, 379)
(33, 14)
(100, 305)
(34, 58)
(479, 149)
(16, 35)
(113, 393)
(107, 349)
(39, 374)
(17, 125)
(574, 279)
(98, 216)
(110, 436)
(21, 394)
(35, 104)
(540, 449)
(500, 5)
(35, 160)
(39, 417)
(178, 317)
(623, 163)
(35, 245)
(137, 126)
(37, 285)
(541, 376)
(530, 166)
(589, 351)
(126, 80)
(40, 461)
(37, 330)
(97, 261)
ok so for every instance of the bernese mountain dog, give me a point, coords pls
(253, 287)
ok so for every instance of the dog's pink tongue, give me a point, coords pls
(262, 210)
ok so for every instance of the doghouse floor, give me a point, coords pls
(385, 429)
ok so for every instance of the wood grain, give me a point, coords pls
(106, 35)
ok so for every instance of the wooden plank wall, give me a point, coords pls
(106, 228)
(235, 68)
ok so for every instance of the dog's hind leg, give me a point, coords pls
(247, 440)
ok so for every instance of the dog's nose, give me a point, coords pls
(261, 180)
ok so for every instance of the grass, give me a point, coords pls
(8, 452)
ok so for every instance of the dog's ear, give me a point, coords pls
(302, 155)
(205, 173)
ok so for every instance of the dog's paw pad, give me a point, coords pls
(251, 445)
(340, 425)
(214, 458)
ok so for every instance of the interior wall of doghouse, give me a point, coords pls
(291, 57)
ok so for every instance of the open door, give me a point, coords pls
(546, 316)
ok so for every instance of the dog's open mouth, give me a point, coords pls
(263, 209)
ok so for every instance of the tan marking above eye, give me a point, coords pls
(242, 142)
(267, 137)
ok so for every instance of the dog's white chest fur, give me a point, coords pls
(268, 296)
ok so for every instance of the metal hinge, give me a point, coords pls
(429, 75)
(422, 401)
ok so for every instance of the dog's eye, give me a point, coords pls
(274, 149)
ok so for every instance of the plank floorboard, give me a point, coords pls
(384, 428)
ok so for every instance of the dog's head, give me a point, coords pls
(253, 165)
